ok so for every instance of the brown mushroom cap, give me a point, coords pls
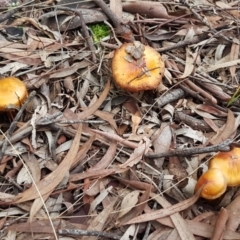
(13, 93)
(214, 184)
(136, 75)
(229, 164)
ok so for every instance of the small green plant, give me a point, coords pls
(99, 30)
(235, 97)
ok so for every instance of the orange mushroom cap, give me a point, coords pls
(214, 184)
(136, 67)
(229, 164)
(13, 93)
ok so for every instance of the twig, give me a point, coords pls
(224, 147)
(170, 96)
(115, 20)
(199, 97)
(14, 123)
(77, 232)
(88, 37)
(192, 122)
(183, 43)
(85, 32)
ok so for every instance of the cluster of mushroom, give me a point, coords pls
(223, 171)
(13, 93)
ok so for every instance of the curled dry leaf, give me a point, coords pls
(128, 202)
(138, 153)
(161, 141)
(190, 60)
(107, 158)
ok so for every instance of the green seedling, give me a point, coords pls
(235, 97)
(100, 31)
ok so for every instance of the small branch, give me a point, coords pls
(77, 232)
(192, 122)
(115, 20)
(223, 147)
(183, 43)
(170, 96)
(88, 37)
(85, 32)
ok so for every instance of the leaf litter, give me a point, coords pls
(75, 164)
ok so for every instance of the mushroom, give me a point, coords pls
(223, 171)
(13, 93)
(214, 184)
(229, 164)
(136, 67)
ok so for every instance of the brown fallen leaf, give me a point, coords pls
(227, 131)
(234, 56)
(92, 109)
(129, 201)
(234, 214)
(67, 71)
(167, 211)
(116, 7)
(200, 228)
(98, 223)
(106, 159)
(138, 153)
(83, 151)
(220, 225)
(177, 219)
(134, 184)
(190, 60)
(114, 137)
(153, 9)
(161, 141)
(135, 211)
(48, 184)
(108, 117)
(92, 174)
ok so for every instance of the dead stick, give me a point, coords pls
(88, 37)
(170, 96)
(224, 147)
(78, 232)
(115, 20)
(84, 31)
(183, 43)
